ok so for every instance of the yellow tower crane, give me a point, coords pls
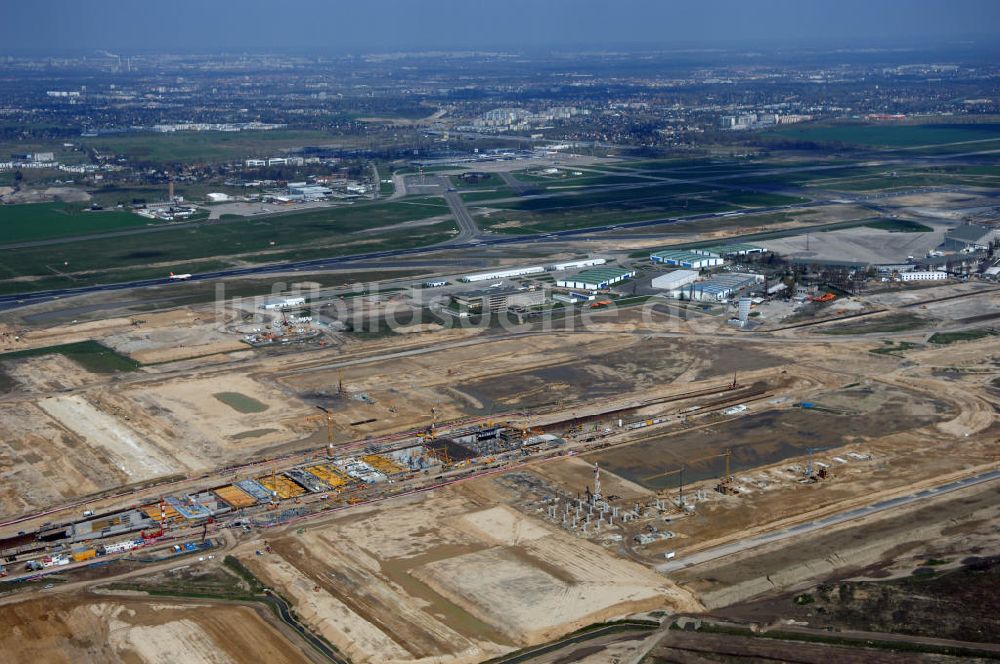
(329, 429)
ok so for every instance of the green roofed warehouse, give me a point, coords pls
(596, 279)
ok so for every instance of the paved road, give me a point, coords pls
(818, 524)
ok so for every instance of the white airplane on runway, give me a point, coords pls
(179, 277)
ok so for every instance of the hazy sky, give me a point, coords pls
(377, 25)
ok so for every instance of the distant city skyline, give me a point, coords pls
(391, 25)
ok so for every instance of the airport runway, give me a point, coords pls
(803, 528)
(457, 243)
(467, 228)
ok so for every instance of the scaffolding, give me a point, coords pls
(235, 497)
(284, 487)
(382, 464)
(328, 474)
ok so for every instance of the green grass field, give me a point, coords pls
(91, 355)
(597, 208)
(945, 338)
(888, 135)
(899, 226)
(203, 247)
(490, 181)
(41, 221)
(207, 146)
(502, 191)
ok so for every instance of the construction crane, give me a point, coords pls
(811, 474)
(329, 428)
(733, 385)
(725, 485)
(680, 484)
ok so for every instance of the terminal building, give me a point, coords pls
(596, 279)
(497, 299)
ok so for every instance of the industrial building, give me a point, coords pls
(306, 191)
(719, 288)
(734, 249)
(923, 275)
(597, 279)
(969, 238)
(573, 297)
(684, 258)
(498, 299)
(109, 526)
(503, 274)
(675, 279)
(284, 303)
(588, 262)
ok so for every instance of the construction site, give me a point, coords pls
(459, 494)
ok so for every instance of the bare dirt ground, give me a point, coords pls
(881, 546)
(476, 570)
(860, 245)
(42, 463)
(159, 345)
(452, 576)
(31, 337)
(209, 427)
(88, 629)
(48, 194)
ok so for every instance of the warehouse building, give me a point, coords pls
(306, 191)
(684, 258)
(675, 279)
(969, 238)
(734, 249)
(588, 262)
(597, 279)
(504, 274)
(719, 288)
(498, 299)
